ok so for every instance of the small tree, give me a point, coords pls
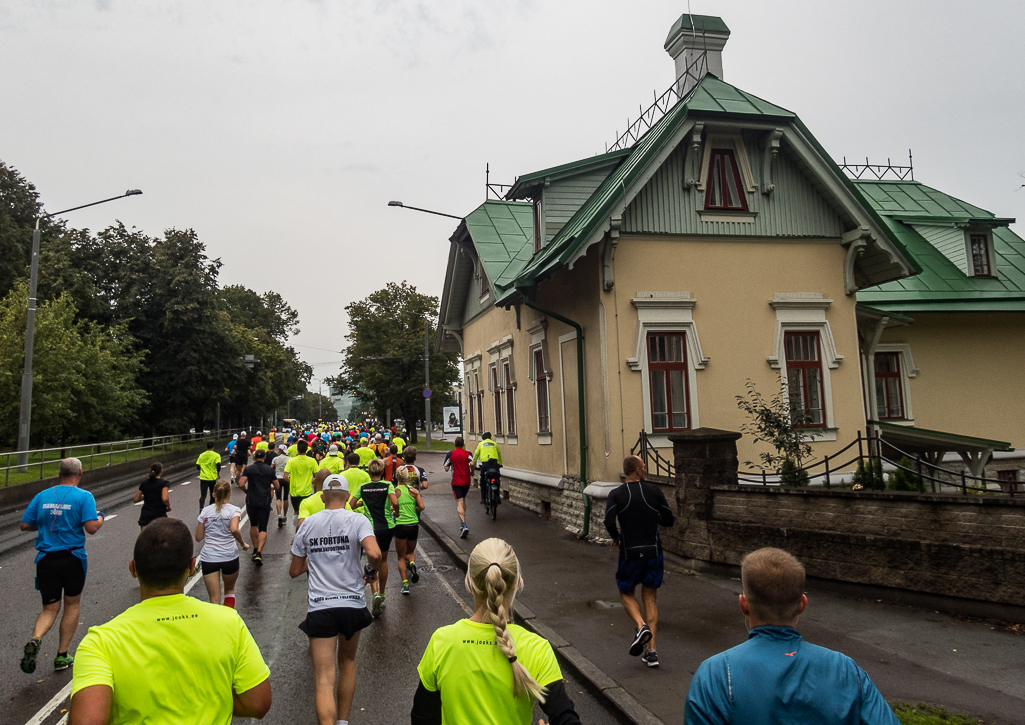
(773, 421)
(904, 480)
(869, 475)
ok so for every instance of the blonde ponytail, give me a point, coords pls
(493, 577)
(222, 493)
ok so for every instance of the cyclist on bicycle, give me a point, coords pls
(489, 456)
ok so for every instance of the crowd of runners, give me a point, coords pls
(352, 492)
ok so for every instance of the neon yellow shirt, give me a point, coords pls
(171, 659)
(487, 451)
(262, 446)
(356, 479)
(399, 443)
(293, 450)
(207, 463)
(300, 471)
(315, 504)
(475, 678)
(407, 506)
(335, 464)
(365, 456)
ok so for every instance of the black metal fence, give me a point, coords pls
(869, 460)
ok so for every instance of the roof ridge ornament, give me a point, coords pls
(881, 172)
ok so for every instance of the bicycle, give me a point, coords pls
(490, 480)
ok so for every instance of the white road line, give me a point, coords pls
(186, 483)
(448, 587)
(140, 503)
(47, 709)
(109, 517)
(52, 705)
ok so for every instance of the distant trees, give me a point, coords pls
(384, 361)
(175, 340)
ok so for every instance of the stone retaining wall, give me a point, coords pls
(562, 503)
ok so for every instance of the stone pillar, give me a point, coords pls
(703, 457)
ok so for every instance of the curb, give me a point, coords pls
(618, 699)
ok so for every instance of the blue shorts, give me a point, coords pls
(646, 572)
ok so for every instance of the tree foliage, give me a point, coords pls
(384, 361)
(84, 380)
(773, 421)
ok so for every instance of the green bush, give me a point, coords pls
(791, 475)
(901, 480)
(870, 475)
(922, 714)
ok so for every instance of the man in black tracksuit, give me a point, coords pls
(640, 508)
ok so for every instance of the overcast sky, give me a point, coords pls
(280, 129)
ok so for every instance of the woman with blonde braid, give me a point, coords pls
(484, 670)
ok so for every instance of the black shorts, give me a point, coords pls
(282, 492)
(227, 568)
(258, 516)
(459, 492)
(384, 537)
(345, 621)
(646, 572)
(406, 532)
(59, 572)
(296, 500)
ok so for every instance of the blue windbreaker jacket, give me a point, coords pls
(776, 678)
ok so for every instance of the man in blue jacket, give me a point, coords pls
(777, 677)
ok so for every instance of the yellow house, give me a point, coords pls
(640, 289)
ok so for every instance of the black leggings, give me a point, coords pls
(204, 487)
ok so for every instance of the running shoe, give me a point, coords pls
(464, 531)
(28, 662)
(258, 558)
(62, 662)
(405, 588)
(375, 608)
(650, 658)
(414, 575)
(642, 637)
(281, 521)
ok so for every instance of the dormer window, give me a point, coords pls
(981, 258)
(724, 189)
(485, 285)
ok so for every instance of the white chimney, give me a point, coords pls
(691, 36)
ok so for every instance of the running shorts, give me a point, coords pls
(406, 532)
(282, 491)
(384, 537)
(345, 621)
(459, 492)
(59, 572)
(296, 500)
(646, 572)
(227, 568)
(259, 516)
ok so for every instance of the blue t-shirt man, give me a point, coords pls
(59, 514)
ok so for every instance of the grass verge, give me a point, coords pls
(922, 714)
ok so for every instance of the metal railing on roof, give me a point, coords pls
(490, 188)
(694, 72)
(881, 172)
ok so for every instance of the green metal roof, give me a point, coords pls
(503, 235)
(700, 24)
(709, 97)
(915, 213)
(936, 439)
(527, 181)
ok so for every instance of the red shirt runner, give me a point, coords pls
(459, 460)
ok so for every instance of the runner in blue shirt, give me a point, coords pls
(775, 676)
(62, 515)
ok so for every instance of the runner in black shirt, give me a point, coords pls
(153, 493)
(240, 455)
(258, 481)
(380, 504)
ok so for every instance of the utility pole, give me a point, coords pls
(427, 386)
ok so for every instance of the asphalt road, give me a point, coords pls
(271, 604)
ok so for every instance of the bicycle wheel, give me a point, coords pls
(494, 501)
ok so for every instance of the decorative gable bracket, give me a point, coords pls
(611, 242)
(693, 165)
(769, 155)
(858, 241)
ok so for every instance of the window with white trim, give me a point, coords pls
(510, 399)
(667, 382)
(981, 256)
(480, 402)
(470, 420)
(544, 416)
(724, 189)
(889, 393)
(496, 393)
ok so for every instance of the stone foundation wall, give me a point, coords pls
(563, 504)
(952, 545)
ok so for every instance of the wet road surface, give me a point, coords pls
(270, 603)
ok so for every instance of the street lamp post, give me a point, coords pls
(25, 414)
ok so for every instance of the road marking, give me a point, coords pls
(109, 517)
(448, 587)
(186, 483)
(140, 503)
(47, 709)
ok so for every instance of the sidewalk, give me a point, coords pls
(913, 655)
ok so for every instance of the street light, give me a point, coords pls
(426, 211)
(25, 416)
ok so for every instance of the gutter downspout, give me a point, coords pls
(586, 528)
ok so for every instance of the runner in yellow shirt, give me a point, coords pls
(332, 461)
(299, 475)
(146, 664)
(209, 465)
(355, 475)
(365, 454)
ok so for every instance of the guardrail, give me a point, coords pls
(45, 462)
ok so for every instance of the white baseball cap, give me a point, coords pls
(336, 483)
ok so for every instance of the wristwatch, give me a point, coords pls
(369, 571)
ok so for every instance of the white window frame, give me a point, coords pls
(536, 330)
(472, 367)
(990, 254)
(907, 372)
(667, 312)
(806, 312)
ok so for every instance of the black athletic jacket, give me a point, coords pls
(641, 508)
